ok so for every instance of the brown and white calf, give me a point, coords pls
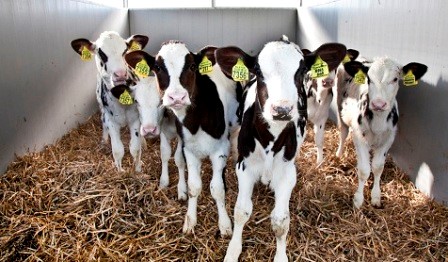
(370, 110)
(272, 130)
(204, 105)
(113, 78)
(319, 96)
(157, 120)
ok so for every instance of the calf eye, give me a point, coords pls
(193, 67)
(395, 79)
(257, 70)
(156, 68)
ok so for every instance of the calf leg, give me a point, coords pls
(179, 159)
(105, 138)
(117, 146)
(135, 145)
(319, 131)
(363, 157)
(343, 133)
(165, 154)
(378, 160)
(242, 212)
(283, 182)
(194, 189)
(219, 161)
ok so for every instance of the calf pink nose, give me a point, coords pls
(378, 104)
(327, 83)
(120, 75)
(148, 129)
(177, 98)
(281, 111)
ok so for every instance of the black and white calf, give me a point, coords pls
(204, 106)
(369, 108)
(158, 120)
(319, 96)
(113, 78)
(272, 130)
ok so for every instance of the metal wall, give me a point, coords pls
(407, 30)
(247, 28)
(45, 89)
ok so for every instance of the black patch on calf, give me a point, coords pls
(136, 133)
(393, 115)
(359, 119)
(223, 175)
(288, 140)
(103, 94)
(301, 124)
(103, 56)
(163, 78)
(207, 110)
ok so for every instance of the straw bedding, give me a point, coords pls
(68, 203)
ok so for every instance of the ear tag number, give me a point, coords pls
(239, 71)
(346, 59)
(206, 66)
(142, 69)
(409, 79)
(360, 77)
(319, 68)
(126, 98)
(135, 46)
(86, 55)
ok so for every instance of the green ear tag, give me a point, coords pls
(135, 46)
(142, 69)
(319, 68)
(205, 66)
(409, 79)
(346, 59)
(360, 77)
(239, 71)
(86, 55)
(126, 98)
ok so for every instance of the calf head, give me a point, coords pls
(109, 49)
(382, 79)
(280, 69)
(146, 96)
(177, 73)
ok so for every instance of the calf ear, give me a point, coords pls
(417, 69)
(208, 51)
(353, 67)
(331, 53)
(227, 57)
(137, 42)
(132, 58)
(78, 44)
(306, 51)
(352, 54)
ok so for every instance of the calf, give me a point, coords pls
(368, 106)
(157, 120)
(272, 129)
(115, 77)
(319, 96)
(204, 105)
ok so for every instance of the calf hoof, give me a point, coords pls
(138, 167)
(225, 227)
(358, 200)
(189, 224)
(280, 257)
(181, 191)
(376, 202)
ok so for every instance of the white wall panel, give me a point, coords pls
(45, 88)
(407, 30)
(249, 29)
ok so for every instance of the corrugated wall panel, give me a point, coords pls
(248, 28)
(45, 88)
(407, 30)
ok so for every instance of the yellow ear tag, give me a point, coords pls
(142, 69)
(135, 46)
(86, 55)
(409, 79)
(126, 98)
(360, 77)
(346, 59)
(205, 66)
(319, 68)
(239, 71)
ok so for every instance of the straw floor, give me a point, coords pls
(68, 203)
